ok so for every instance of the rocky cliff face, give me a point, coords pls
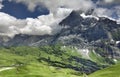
(78, 29)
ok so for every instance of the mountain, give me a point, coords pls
(78, 30)
(84, 44)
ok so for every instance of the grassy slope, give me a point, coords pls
(38, 70)
(96, 58)
(113, 71)
(39, 62)
(32, 66)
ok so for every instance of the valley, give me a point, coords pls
(49, 61)
(68, 41)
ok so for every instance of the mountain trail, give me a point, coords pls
(6, 68)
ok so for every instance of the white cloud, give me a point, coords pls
(103, 12)
(117, 10)
(108, 8)
(108, 2)
(6, 22)
(1, 5)
(54, 4)
(83, 5)
(45, 24)
(112, 1)
(118, 21)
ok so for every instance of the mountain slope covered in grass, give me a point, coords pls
(47, 61)
(39, 70)
(113, 71)
(37, 62)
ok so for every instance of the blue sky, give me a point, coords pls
(19, 10)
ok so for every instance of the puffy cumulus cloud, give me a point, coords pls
(103, 12)
(112, 1)
(108, 2)
(118, 21)
(42, 25)
(52, 5)
(47, 24)
(31, 4)
(108, 13)
(117, 10)
(1, 5)
(6, 24)
(83, 5)
(108, 8)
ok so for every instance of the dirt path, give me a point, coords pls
(6, 68)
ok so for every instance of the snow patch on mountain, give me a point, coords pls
(88, 16)
(118, 21)
(84, 53)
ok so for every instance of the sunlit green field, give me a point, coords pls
(27, 62)
(49, 62)
(39, 70)
(113, 71)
